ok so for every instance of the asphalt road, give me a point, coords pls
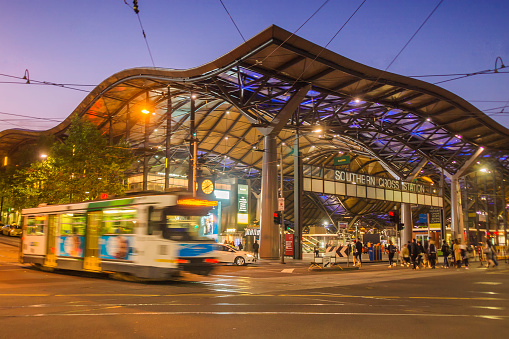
(268, 300)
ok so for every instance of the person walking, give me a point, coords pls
(492, 254)
(391, 249)
(256, 246)
(358, 248)
(316, 250)
(432, 254)
(241, 247)
(446, 250)
(457, 253)
(420, 250)
(414, 252)
(405, 253)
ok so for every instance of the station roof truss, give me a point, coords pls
(386, 122)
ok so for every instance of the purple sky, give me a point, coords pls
(84, 42)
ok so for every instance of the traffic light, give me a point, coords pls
(400, 226)
(394, 216)
(277, 217)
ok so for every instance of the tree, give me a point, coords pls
(80, 168)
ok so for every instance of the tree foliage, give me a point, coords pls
(80, 168)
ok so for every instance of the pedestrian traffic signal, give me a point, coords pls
(400, 226)
(277, 217)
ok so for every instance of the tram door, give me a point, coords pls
(92, 262)
(51, 259)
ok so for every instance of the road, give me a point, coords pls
(268, 300)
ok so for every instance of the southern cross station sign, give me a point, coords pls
(338, 182)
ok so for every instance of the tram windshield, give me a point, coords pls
(180, 227)
(183, 224)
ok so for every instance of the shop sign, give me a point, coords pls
(253, 231)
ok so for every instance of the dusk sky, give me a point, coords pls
(84, 42)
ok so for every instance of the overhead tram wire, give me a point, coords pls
(410, 40)
(402, 49)
(293, 33)
(328, 43)
(37, 82)
(137, 11)
(238, 30)
(29, 117)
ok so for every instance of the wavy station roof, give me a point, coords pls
(388, 123)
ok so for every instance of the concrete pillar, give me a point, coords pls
(406, 216)
(269, 232)
(456, 227)
(297, 200)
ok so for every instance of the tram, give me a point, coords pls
(147, 237)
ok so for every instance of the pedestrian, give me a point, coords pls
(405, 253)
(491, 256)
(446, 250)
(425, 255)
(317, 250)
(457, 253)
(255, 249)
(414, 250)
(241, 247)
(432, 254)
(391, 249)
(358, 248)
(420, 254)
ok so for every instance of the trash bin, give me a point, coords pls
(370, 253)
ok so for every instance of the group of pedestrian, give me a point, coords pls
(416, 255)
(460, 254)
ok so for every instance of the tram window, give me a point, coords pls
(119, 221)
(35, 225)
(72, 223)
(154, 218)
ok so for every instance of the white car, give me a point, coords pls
(231, 255)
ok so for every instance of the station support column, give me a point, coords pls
(456, 225)
(406, 215)
(297, 200)
(269, 231)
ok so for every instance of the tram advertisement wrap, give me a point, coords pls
(116, 247)
(71, 245)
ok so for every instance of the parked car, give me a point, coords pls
(230, 255)
(15, 231)
(5, 229)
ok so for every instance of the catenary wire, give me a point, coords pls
(237, 27)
